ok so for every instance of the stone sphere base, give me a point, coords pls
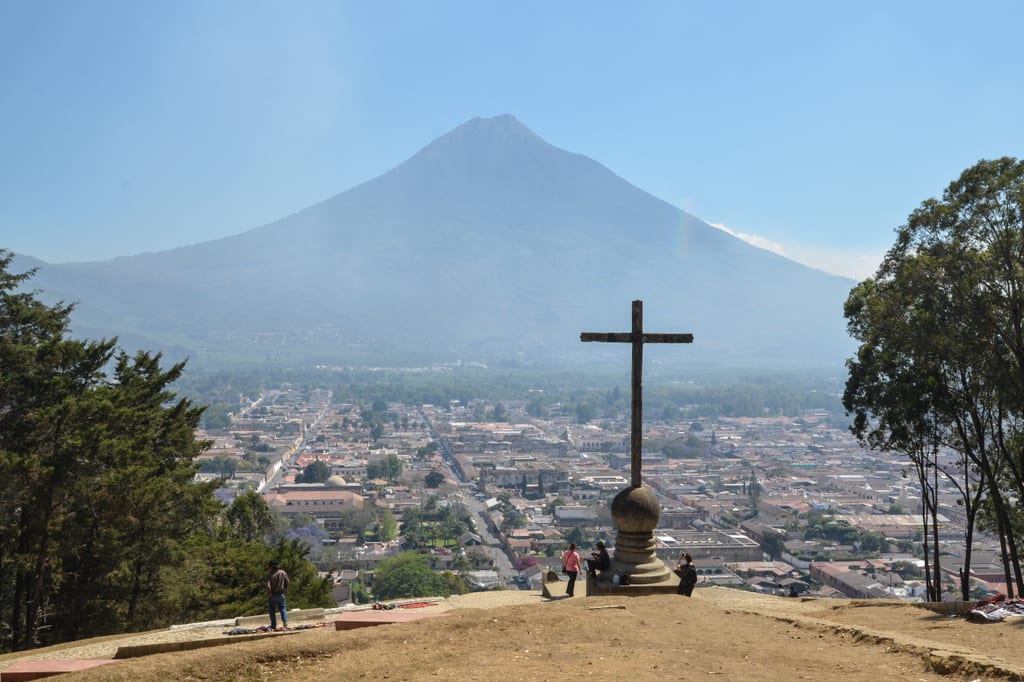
(635, 512)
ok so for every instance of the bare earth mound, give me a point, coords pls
(520, 636)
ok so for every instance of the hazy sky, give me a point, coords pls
(812, 128)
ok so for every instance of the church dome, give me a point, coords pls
(335, 482)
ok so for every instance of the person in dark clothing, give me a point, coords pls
(687, 575)
(599, 559)
(277, 585)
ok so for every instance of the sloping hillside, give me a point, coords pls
(720, 633)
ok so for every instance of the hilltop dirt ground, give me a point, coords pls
(719, 633)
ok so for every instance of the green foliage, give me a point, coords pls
(512, 520)
(103, 528)
(585, 412)
(843, 533)
(360, 594)
(314, 472)
(456, 583)
(549, 508)
(773, 545)
(215, 578)
(389, 468)
(226, 578)
(751, 397)
(941, 356)
(872, 542)
(217, 416)
(96, 476)
(453, 525)
(408, 575)
(434, 524)
(301, 520)
(249, 518)
(387, 528)
(461, 564)
(434, 479)
(222, 465)
(576, 535)
(357, 521)
(414, 532)
(715, 393)
(427, 450)
(691, 447)
(908, 570)
(754, 491)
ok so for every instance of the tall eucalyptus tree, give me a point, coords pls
(941, 357)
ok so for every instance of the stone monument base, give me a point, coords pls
(604, 584)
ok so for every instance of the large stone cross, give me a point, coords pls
(635, 510)
(637, 338)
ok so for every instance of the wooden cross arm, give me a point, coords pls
(627, 337)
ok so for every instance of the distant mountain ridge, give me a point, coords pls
(489, 244)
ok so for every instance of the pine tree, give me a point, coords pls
(96, 475)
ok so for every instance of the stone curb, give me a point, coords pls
(293, 615)
(166, 647)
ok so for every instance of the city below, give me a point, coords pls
(783, 505)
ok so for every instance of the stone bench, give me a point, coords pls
(362, 619)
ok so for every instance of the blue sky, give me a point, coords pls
(812, 128)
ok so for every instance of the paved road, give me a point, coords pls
(505, 568)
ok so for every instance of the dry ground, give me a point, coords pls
(505, 636)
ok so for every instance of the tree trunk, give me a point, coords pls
(1005, 529)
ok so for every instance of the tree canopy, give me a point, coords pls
(940, 366)
(103, 527)
(408, 575)
(389, 468)
(314, 472)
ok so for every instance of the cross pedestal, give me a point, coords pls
(635, 510)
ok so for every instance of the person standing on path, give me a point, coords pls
(277, 585)
(687, 575)
(571, 567)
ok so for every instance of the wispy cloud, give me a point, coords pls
(753, 239)
(857, 264)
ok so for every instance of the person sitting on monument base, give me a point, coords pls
(599, 560)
